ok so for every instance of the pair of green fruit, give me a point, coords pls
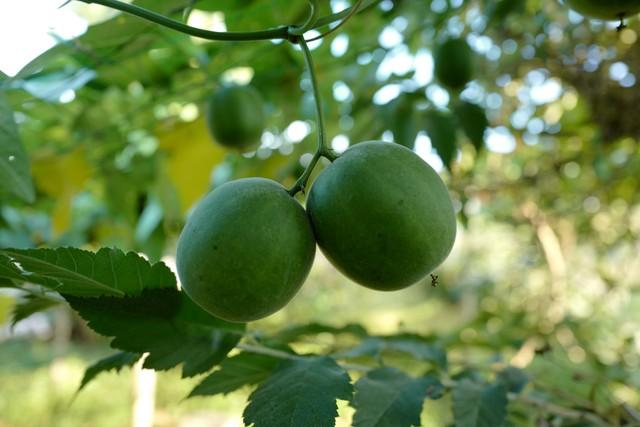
(380, 214)
(609, 10)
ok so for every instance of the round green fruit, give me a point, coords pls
(454, 63)
(382, 215)
(235, 116)
(245, 250)
(610, 10)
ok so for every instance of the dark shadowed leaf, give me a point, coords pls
(473, 121)
(294, 332)
(375, 347)
(15, 177)
(441, 128)
(114, 362)
(77, 272)
(387, 397)
(401, 119)
(164, 323)
(479, 405)
(301, 392)
(235, 372)
(514, 379)
(30, 304)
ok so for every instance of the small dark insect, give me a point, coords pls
(434, 280)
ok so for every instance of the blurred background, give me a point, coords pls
(545, 273)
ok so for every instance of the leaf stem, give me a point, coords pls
(322, 150)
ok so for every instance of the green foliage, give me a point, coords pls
(115, 362)
(416, 347)
(441, 127)
(473, 120)
(301, 392)
(237, 371)
(164, 323)
(30, 304)
(73, 271)
(514, 379)
(14, 164)
(386, 397)
(479, 405)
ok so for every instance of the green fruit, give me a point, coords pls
(611, 10)
(235, 116)
(454, 63)
(246, 250)
(382, 215)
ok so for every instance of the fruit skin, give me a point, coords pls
(246, 250)
(610, 10)
(235, 116)
(454, 63)
(382, 215)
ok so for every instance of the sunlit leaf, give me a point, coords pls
(73, 271)
(191, 157)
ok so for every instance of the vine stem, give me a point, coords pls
(352, 11)
(270, 34)
(322, 150)
(309, 23)
(285, 32)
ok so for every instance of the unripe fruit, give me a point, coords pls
(382, 215)
(611, 10)
(246, 250)
(235, 116)
(454, 63)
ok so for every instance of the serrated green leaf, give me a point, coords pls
(30, 304)
(479, 405)
(441, 128)
(294, 332)
(164, 323)
(15, 177)
(473, 121)
(8, 270)
(5, 283)
(387, 397)
(514, 379)
(114, 362)
(235, 372)
(412, 345)
(301, 392)
(73, 271)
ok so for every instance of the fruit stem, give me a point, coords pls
(322, 150)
